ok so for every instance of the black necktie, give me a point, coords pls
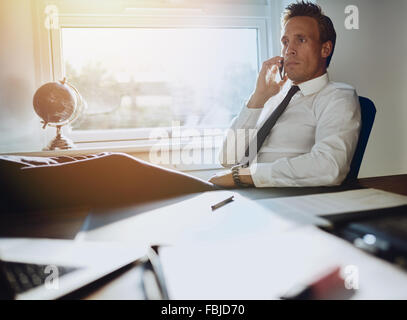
(268, 125)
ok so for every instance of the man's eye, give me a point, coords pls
(302, 40)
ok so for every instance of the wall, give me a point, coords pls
(19, 125)
(372, 59)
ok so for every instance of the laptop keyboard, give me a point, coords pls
(23, 276)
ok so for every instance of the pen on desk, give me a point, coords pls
(222, 203)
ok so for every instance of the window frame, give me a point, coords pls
(122, 15)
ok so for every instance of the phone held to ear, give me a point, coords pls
(281, 69)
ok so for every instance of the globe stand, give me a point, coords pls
(60, 142)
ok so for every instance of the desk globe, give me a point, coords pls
(58, 104)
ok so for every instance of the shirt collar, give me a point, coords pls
(314, 85)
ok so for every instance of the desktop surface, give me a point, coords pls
(393, 279)
(125, 284)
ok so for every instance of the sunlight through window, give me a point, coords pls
(146, 78)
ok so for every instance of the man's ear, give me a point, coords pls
(326, 49)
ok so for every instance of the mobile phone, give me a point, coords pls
(281, 69)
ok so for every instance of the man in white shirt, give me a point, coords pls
(314, 139)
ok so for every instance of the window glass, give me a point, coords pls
(151, 77)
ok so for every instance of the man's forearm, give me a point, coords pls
(245, 176)
(238, 135)
(256, 101)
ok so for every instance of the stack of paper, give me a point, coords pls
(326, 204)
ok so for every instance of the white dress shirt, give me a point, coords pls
(311, 144)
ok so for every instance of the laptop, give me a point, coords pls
(33, 268)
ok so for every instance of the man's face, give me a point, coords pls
(302, 49)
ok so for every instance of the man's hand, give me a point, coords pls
(225, 179)
(267, 86)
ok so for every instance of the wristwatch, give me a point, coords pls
(236, 176)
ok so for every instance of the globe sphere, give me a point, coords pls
(55, 103)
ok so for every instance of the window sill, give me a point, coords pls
(139, 150)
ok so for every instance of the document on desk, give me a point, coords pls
(190, 218)
(344, 202)
(266, 266)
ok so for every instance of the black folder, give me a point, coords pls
(382, 232)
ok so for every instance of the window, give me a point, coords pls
(153, 67)
(146, 78)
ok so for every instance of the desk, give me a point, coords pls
(396, 183)
(125, 284)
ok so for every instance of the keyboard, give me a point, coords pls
(21, 277)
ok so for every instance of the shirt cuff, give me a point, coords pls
(261, 174)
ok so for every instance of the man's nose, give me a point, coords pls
(290, 51)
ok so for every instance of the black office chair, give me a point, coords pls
(368, 112)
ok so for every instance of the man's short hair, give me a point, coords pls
(325, 25)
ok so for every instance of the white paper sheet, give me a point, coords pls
(326, 204)
(267, 266)
(193, 220)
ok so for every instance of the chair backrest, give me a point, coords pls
(368, 113)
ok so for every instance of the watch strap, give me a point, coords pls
(236, 176)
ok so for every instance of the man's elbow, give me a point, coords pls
(335, 180)
(336, 173)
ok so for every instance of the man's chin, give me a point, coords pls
(295, 78)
